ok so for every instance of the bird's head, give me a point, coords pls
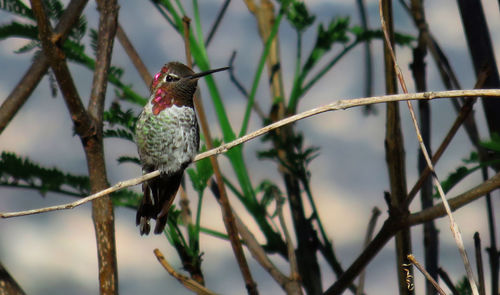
(175, 84)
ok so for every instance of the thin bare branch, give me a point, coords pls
(187, 282)
(479, 264)
(82, 121)
(240, 86)
(446, 279)
(369, 234)
(259, 254)
(439, 210)
(102, 209)
(34, 74)
(8, 284)
(463, 115)
(216, 24)
(426, 274)
(133, 55)
(453, 225)
(294, 268)
(394, 224)
(395, 153)
(338, 105)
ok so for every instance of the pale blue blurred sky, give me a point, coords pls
(54, 253)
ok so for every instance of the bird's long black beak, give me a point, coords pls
(199, 75)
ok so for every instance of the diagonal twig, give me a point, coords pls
(216, 24)
(465, 110)
(34, 74)
(393, 225)
(426, 274)
(338, 105)
(446, 279)
(479, 264)
(369, 234)
(82, 121)
(187, 282)
(453, 225)
(133, 55)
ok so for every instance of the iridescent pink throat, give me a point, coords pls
(163, 99)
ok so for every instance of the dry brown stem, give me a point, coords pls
(426, 274)
(453, 225)
(34, 74)
(187, 282)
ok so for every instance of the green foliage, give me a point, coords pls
(16, 7)
(128, 159)
(297, 156)
(126, 198)
(456, 177)
(335, 32)
(16, 29)
(201, 173)
(270, 192)
(368, 35)
(116, 116)
(188, 251)
(27, 48)
(119, 123)
(22, 172)
(298, 16)
(493, 144)
(73, 48)
(119, 133)
(463, 286)
(473, 163)
(54, 9)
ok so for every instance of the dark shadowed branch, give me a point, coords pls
(102, 209)
(38, 68)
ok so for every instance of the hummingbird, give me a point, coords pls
(168, 138)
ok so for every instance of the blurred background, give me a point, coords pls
(55, 253)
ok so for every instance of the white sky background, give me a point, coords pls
(54, 253)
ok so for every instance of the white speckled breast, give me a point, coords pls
(168, 141)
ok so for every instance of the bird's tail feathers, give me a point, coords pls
(162, 190)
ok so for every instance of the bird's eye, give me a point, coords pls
(171, 78)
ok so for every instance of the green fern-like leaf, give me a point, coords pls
(22, 172)
(368, 35)
(93, 40)
(271, 192)
(119, 133)
(493, 144)
(15, 29)
(298, 15)
(335, 32)
(463, 286)
(16, 7)
(28, 47)
(116, 116)
(126, 198)
(201, 173)
(128, 159)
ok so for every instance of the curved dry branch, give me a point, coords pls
(338, 105)
(187, 282)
